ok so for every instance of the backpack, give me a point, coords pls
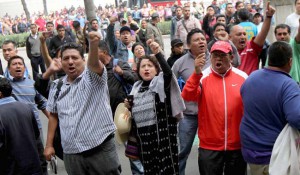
(126, 86)
(181, 83)
(57, 137)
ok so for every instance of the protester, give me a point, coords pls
(185, 25)
(33, 52)
(184, 68)
(23, 91)
(19, 134)
(271, 100)
(156, 129)
(282, 33)
(174, 21)
(250, 50)
(219, 148)
(94, 146)
(177, 51)
(153, 32)
(292, 18)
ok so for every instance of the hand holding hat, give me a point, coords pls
(123, 123)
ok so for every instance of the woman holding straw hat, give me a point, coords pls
(154, 115)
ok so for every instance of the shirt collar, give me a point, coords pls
(6, 100)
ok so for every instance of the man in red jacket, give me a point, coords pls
(217, 91)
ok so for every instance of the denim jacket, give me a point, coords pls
(117, 48)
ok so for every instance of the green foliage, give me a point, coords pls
(165, 27)
(20, 39)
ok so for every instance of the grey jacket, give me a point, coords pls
(184, 67)
(154, 31)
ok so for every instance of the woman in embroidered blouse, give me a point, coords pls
(153, 114)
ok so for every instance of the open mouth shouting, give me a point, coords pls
(242, 43)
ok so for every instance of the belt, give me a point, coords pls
(98, 148)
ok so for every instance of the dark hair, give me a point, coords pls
(220, 16)
(72, 45)
(94, 20)
(280, 53)
(10, 42)
(243, 14)
(59, 26)
(5, 87)
(178, 7)
(218, 24)
(228, 4)
(296, 2)
(238, 3)
(49, 22)
(102, 45)
(191, 33)
(137, 44)
(282, 26)
(150, 58)
(32, 24)
(13, 58)
(76, 24)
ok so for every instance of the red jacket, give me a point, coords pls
(220, 107)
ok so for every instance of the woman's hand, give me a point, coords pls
(154, 46)
(127, 104)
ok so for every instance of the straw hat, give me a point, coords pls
(122, 121)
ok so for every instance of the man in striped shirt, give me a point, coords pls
(84, 113)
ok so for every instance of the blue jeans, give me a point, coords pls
(187, 131)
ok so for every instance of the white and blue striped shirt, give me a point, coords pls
(84, 112)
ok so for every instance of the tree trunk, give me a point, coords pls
(90, 9)
(26, 10)
(45, 7)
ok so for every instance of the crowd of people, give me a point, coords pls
(211, 84)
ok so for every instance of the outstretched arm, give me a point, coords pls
(44, 51)
(262, 35)
(93, 63)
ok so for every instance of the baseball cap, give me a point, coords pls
(125, 28)
(175, 42)
(256, 14)
(222, 46)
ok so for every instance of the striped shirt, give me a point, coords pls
(23, 90)
(84, 112)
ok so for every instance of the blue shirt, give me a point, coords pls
(250, 28)
(271, 100)
(6, 100)
(24, 91)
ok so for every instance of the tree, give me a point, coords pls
(45, 7)
(26, 10)
(90, 9)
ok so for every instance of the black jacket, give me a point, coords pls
(18, 140)
(116, 91)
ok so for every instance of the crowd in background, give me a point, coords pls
(214, 49)
(19, 24)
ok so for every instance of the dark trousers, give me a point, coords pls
(40, 147)
(216, 162)
(37, 62)
(102, 160)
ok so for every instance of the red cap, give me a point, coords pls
(222, 46)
